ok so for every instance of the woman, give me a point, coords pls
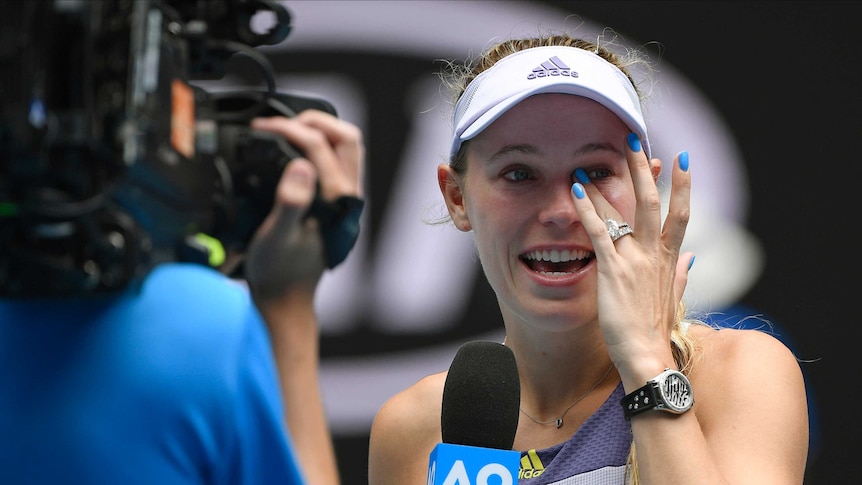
(550, 169)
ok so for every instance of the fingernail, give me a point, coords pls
(582, 176)
(683, 161)
(634, 142)
(691, 263)
(578, 190)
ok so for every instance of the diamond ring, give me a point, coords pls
(617, 230)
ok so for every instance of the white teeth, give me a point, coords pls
(556, 256)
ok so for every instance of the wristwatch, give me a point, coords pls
(669, 391)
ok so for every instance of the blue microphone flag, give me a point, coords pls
(451, 464)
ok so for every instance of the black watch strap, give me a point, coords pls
(640, 400)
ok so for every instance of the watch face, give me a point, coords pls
(676, 392)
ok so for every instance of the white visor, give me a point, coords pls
(551, 69)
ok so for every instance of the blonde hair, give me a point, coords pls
(626, 59)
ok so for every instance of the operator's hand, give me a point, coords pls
(286, 252)
(285, 261)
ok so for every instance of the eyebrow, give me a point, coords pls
(598, 147)
(532, 150)
(507, 149)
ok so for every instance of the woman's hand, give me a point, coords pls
(641, 277)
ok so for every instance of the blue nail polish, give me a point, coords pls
(683, 161)
(634, 142)
(691, 263)
(578, 190)
(582, 176)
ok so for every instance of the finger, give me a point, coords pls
(680, 281)
(334, 146)
(297, 184)
(679, 206)
(345, 139)
(647, 221)
(293, 196)
(594, 224)
(602, 207)
(286, 248)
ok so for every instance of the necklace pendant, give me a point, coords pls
(559, 422)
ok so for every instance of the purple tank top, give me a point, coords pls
(595, 455)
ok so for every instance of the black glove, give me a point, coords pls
(339, 225)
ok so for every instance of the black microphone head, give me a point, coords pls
(481, 397)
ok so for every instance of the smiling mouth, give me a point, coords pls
(554, 262)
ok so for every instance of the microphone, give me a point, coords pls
(481, 399)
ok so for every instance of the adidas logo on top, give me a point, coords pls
(554, 66)
(531, 466)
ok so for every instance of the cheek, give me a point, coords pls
(495, 220)
(622, 197)
(492, 220)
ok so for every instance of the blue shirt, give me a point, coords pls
(172, 383)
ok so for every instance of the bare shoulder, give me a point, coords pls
(750, 401)
(729, 348)
(415, 409)
(737, 374)
(405, 431)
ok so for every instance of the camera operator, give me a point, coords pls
(176, 383)
(187, 376)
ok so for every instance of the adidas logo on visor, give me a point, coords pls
(517, 76)
(554, 66)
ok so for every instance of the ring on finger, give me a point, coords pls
(617, 230)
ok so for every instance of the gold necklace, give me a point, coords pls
(559, 421)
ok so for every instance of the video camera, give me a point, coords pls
(113, 161)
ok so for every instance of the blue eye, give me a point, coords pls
(517, 175)
(598, 173)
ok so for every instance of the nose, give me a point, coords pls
(558, 208)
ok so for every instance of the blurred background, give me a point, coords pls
(764, 96)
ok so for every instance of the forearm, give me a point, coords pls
(285, 264)
(295, 340)
(672, 449)
(734, 433)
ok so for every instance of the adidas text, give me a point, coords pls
(524, 474)
(552, 72)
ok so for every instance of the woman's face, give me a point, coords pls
(516, 197)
